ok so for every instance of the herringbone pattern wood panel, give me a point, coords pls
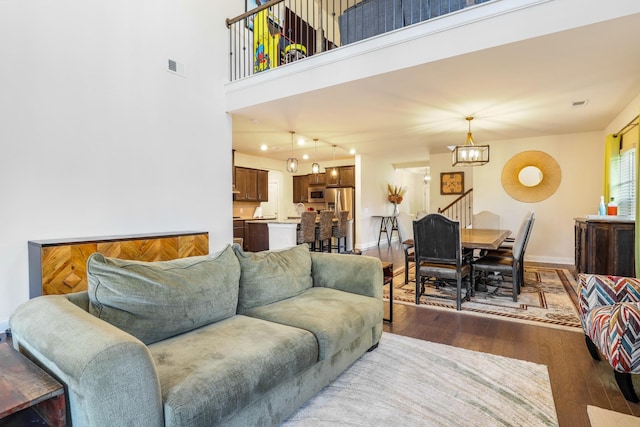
(64, 268)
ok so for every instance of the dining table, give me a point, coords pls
(483, 238)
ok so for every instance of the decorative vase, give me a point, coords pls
(396, 209)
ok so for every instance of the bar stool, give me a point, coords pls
(307, 231)
(323, 233)
(340, 231)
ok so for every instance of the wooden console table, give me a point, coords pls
(605, 246)
(24, 385)
(59, 266)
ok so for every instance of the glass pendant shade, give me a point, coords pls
(292, 165)
(292, 162)
(470, 154)
(315, 167)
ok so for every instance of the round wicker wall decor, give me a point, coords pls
(539, 171)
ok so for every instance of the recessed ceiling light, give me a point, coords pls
(301, 141)
(264, 147)
(352, 151)
(305, 157)
(580, 104)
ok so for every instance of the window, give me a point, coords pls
(625, 190)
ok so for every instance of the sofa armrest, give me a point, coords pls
(358, 274)
(595, 290)
(109, 376)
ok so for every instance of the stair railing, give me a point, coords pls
(461, 209)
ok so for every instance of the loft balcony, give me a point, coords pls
(280, 32)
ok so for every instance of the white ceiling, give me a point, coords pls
(516, 90)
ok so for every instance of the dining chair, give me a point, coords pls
(507, 251)
(323, 231)
(307, 230)
(505, 264)
(339, 231)
(438, 254)
(486, 219)
(405, 229)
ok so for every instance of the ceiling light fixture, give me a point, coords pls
(315, 167)
(292, 162)
(470, 154)
(334, 171)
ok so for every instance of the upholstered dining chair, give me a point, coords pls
(508, 263)
(324, 230)
(339, 231)
(307, 230)
(609, 309)
(438, 254)
(405, 229)
(486, 219)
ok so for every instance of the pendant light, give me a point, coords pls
(292, 162)
(334, 171)
(315, 167)
(470, 154)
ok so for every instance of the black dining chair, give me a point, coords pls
(438, 254)
(508, 263)
(405, 230)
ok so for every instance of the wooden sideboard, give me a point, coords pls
(59, 266)
(605, 246)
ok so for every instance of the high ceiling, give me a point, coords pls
(516, 90)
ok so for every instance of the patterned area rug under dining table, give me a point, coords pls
(549, 298)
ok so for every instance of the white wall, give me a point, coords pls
(580, 157)
(97, 137)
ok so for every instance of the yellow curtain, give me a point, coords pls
(611, 153)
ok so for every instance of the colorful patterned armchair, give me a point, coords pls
(610, 316)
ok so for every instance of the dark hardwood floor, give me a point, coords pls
(576, 379)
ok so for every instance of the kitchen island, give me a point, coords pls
(282, 233)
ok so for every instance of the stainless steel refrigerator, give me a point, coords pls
(343, 199)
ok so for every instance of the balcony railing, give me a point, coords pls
(279, 32)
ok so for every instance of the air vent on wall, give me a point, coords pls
(176, 68)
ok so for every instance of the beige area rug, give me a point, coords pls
(410, 382)
(549, 298)
(599, 417)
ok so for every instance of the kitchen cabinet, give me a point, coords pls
(256, 235)
(251, 184)
(300, 188)
(605, 247)
(238, 230)
(262, 183)
(317, 179)
(345, 177)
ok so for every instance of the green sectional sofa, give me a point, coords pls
(231, 338)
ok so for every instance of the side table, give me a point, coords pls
(24, 385)
(387, 272)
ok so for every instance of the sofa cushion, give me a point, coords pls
(336, 318)
(208, 374)
(156, 300)
(271, 276)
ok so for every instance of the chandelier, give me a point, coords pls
(470, 154)
(292, 162)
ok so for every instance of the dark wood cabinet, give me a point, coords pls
(605, 247)
(300, 188)
(345, 177)
(262, 183)
(256, 236)
(251, 184)
(317, 179)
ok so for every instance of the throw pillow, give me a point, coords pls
(271, 276)
(156, 300)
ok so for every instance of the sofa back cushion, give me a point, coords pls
(271, 276)
(156, 300)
